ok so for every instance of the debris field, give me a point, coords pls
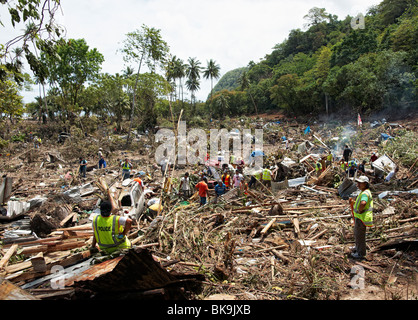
(287, 241)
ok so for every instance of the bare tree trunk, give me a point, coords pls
(133, 103)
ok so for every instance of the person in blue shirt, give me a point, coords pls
(83, 167)
(220, 189)
(102, 163)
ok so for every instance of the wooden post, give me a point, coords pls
(5, 260)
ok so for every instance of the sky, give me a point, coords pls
(231, 32)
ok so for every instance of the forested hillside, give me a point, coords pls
(342, 66)
(362, 64)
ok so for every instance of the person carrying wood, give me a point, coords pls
(362, 209)
(110, 230)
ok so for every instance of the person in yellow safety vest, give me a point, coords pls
(253, 181)
(110, 230)
(267, 177)
(363, 216)
(226, 179)
(329, 159)
(343, 165)
(126, 169)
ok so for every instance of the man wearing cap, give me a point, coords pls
(363, 216)
(126, 169)
(110, 230)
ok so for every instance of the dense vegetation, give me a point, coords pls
(356, 65)
(362, 65)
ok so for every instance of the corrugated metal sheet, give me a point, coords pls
(93, 272)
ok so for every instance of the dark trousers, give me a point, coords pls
(360, 237)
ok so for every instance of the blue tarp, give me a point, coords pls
(257, 153)
(307, 130)
(385, 136)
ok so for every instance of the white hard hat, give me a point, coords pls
(362, 179)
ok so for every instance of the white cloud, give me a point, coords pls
(231, 32)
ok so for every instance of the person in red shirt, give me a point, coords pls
(203, 188)
(373, 158)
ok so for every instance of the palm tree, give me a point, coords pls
(179, 72)
(193, 85)
(245, 84)
(212, 71)
(193, 75)
(222, 104)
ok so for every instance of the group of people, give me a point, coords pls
(230, 179)
(110, 230)
(83, 163)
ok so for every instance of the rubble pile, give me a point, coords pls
(290, 240)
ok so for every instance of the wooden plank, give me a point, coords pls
(317, 207)
(296, 226)
(87, 226)
(318, 234)
(67, 218)
(5, 260)
(267, 227)
(9, 291)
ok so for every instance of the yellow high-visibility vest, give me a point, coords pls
(367, 215)
(106, 231)
(126, 166)
(266, 174)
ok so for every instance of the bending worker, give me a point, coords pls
(110, 230)
(363, 216)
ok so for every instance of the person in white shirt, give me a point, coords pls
(237, 179)
(391, 174)
(185, 186)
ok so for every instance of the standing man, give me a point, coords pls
(126, 169)
(203, 188)
(83, 167)
(226, 179)
(220, 189)
(237, 179)
(110, 230)
(363, 216)
(347, 153)
(185, 186)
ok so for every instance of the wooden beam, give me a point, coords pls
(267, 227)
(5, 260)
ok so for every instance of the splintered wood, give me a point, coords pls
(288, 241)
